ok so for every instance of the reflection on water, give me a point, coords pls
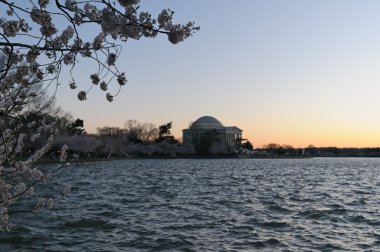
(207, 205)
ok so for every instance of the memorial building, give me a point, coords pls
(206, 125)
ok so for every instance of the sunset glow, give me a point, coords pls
(289, 72)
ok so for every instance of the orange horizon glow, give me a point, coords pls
(298, 137)
(286, 72)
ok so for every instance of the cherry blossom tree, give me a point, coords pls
(41, 43)
(48, 48)
(78, 144)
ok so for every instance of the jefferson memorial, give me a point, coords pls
(206, 124)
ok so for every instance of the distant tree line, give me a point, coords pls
(134, 139)
(273, 149)
(138, 139)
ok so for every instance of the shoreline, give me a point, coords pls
(89, 161)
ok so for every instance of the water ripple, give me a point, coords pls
(206, 205)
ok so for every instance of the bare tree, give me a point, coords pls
(110, 131)
(141, 132)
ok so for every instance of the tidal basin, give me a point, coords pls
(318, 204)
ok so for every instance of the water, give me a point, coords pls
(206, 205)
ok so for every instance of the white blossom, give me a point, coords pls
(49, 203)
(91, 12)
(127, 3)
(66, 190)
(121, 79)
(82, 95)
(4, 217)
(20, 142)
(41, 17)
(34, 137)
(63, 155)
(99, 40)
(68, 58)
(73, 85)
(95, 78)
(164, 18)
(43, 3)
(10, 28)
(71, 5)
(78, 17)
(48, 30)
(88, 8)
(31, 124)
(30, 191)
(20, 188)
(103, 86)
(50, 69)
(109, 97)
(40, 203)
(178, 34)
(31, 56)
(67, 34)
(107, 21)
(111, 59)
(38, 153)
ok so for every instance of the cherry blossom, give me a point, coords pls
(109, 97)
(39, 41)
(82, 95)
(103, 86)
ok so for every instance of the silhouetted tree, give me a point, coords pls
(141, 132)
(164, 130)
(238, 143)
(76, 128)
(110, 131)
(311, 149)
(164, 134)
(247, 145)
(271, 146)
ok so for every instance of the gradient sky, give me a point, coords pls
(291, 72)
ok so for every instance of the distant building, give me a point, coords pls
(208, 125)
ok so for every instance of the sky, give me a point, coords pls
(284, 71)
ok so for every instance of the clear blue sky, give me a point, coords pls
(286, 71)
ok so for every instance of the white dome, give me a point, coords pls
(207, 122)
